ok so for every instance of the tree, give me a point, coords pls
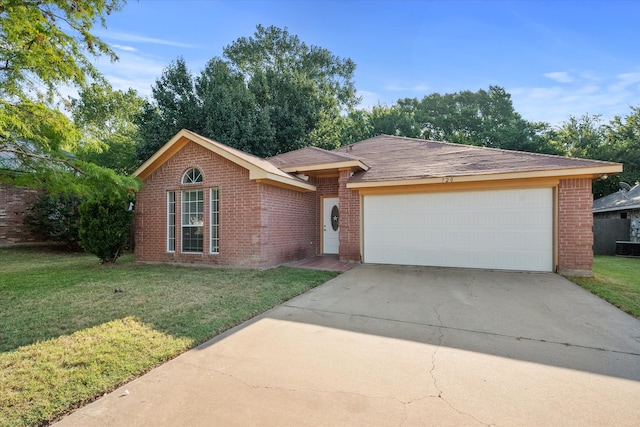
(174, 106)
(269, 94)
(302, 88)
(42, 47)
(394, 120)
(355, 127)
(55, 217)
(589, 137)
(105, 221)
(106, 119)
(622, 144)
(231, 113)
(483, 118)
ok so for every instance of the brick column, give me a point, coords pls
(349, 220)
(575, 227)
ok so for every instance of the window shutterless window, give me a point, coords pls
(192, 176)
(192, 221)
(171, 221)
(214, 220)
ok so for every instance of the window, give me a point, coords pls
(214, 221)
(192, 176)
(171, 221)
(192, 220)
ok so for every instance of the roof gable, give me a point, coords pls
(259, 169)
(316, 161)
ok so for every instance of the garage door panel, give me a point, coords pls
(502, 229)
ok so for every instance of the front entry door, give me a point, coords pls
(330, 227)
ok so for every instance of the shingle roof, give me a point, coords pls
(622, 200)
(309, 156)
(395, 158)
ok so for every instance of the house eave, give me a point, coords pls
(278, 181)
(617, 208)
(592, 173)
(326, 168)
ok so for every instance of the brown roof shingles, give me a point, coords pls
(394, 158)
(309, 156)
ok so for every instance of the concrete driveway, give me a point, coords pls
(403, 346)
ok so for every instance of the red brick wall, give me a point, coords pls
(349, 220)
(14, 202)
(260, 225)
(575, 223)
(239, 210)
(289, 227)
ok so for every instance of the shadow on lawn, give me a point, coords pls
(47, 293)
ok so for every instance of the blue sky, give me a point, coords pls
(556, 58)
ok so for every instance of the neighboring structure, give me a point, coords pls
(387, 199)
(616, 218)
(14, 203)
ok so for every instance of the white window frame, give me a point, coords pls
(192, 176)
(192, 219)
(171, 221)
(214, 220)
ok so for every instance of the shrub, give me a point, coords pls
(105, 221)
(55, 217)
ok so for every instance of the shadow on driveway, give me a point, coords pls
(403, 346)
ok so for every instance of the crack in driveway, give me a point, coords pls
(435, 380)
(440, 327)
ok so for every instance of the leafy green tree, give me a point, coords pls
(55, 217)
(231, 114)
(302, 88)
(105, 222)
(174, 106)
(355, 127)
(622, 144)
(581, 136)
(106, 119)
(483, 118)
(394, 120)
(43, 46)
(269, 94)
(589, 137)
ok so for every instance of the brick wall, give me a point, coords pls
(289, 227)
(14, 202)
(575, 227)
(260, 225)
(349, 220)
(239, 210)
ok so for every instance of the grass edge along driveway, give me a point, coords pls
(615, 280)
(72, 329)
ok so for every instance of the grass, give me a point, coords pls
(67, 337)
(616, 280)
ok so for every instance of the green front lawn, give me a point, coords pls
(616, 280)
(72, 329)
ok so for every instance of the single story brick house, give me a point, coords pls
(387, 199)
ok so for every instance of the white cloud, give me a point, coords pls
(125, 48)
(624, 80)
(560, 76)
(135, 38)
(421, 87)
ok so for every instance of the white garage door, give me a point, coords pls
(501, 229)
